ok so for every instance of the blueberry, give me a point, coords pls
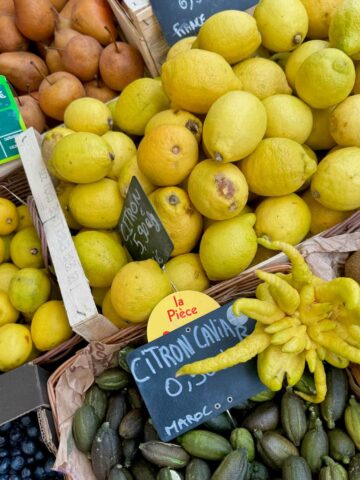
(2, 441)
(30, 460)
(39, 456)
(14, 452)
(39, 473)
(4, 453)
(49, 465)
(26, 421)
(5, 465)
(26, 473)
(14, 476)
(5, 427)
(33, 432)
(17, 463)
(3, 476)
(28, 447)
(15, 436)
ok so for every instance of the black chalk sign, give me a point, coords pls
(177, 405)
(141, 229)
(183, 18)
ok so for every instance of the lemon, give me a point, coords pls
(167, 154)
(138, 103)
(325, 78)
(218, 191)
(8, 216)
(137, 288)
(63, 190)
(320, 13)
(181, 221)
(49, 141)
(233, 34)
(299, 55)
(187, 273)
(25, 249)
(101, 257)
(88, 114)
(320, 137)
(210, 221)
(29, 288)
(50, 326)
(24, 217)
(180, 46)
(82, 157)
(283, 24)
(345, 122)
(336, 184)
(176, 117)
(2, 250)
(7, 239)
(310, 153)
(110, 313)
(7, 271)
(15, 346)
(131, 169)
(99, 294)
(344, 29)
(194, 79)
(8, 314)
(123, 148)
(228, 247)
(322, 218)
(356, 89)
(286, 219)
(96, 205)
(288, 117)
(262, 77)
(278, 166)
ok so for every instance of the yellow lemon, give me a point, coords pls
(278, 166)
(323, 218)
(345, 122)
(234, 126)
(25, 249)
(49, 141)
(228, 247)
(176, 117)
(336, 184)
(124, 149)
(233, 34)
(262, 77)
(109, 312)
(24, 216)
(288, 117)
(34, 352)
(320, 13)
(8, 314)
(344, 30)
(96, 205)
(187, 273)
(310, 153)
(167, 154)
(286, 219)
(15, 346)
(50, 326)
(88, 114)
(325, 78)
(7, 271)
(2, 250)
(63, 190)
(299, 55)
(82, 157)
(99, 294)
(180, 46)
(356, 88)
(194, 79)
(181, 221)
(283, 24)
(7, 239)
(218, 191)
(131, 169)
(8, 217)
(101, 257)
(210, 221)
(137, 288)
(29, 288)
(138, 103)
(320, 137)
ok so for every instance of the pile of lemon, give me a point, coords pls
(251, 130)
(32, 316)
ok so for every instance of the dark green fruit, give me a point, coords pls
(205, 445)
(221, 423)
(119, 473)
(333, 407)
(116, 410)
(293, 417)
(122, 358)
(242, 438)
(259, 471)
(315, 446)
(235, 466)
(132, 424)
(341, 447)
(197, 469)
(84, 427)
(165, 454)
(97, 398)
(265, 417)
(354, 468)
(332, 471)
(105, 451)
(143, 470)
(296, 468)
(274, 449)
(113, 379)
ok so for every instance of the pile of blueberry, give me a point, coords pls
(23, 453)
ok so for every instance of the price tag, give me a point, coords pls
(183, 18)
(11, 123)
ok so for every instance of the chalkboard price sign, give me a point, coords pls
(177, 405)
(141, 229)
(183, 18)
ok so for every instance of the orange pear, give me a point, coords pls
(24, 70)
(94, 18)
(81, 57)
(11, 39)
(97, 89)
(31, 112)
(35, 18)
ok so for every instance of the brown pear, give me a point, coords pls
(66, 11)
(11, 39)
(31, 112)
(94, 18)
(59, 4)
(97, 89)
(54, 60)
(57, 91)
(24, 70)
(7, 7)
(120, 64)
(63, 32)
(81, 57)
(35, 18)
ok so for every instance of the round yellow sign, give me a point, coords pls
(178, 309)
